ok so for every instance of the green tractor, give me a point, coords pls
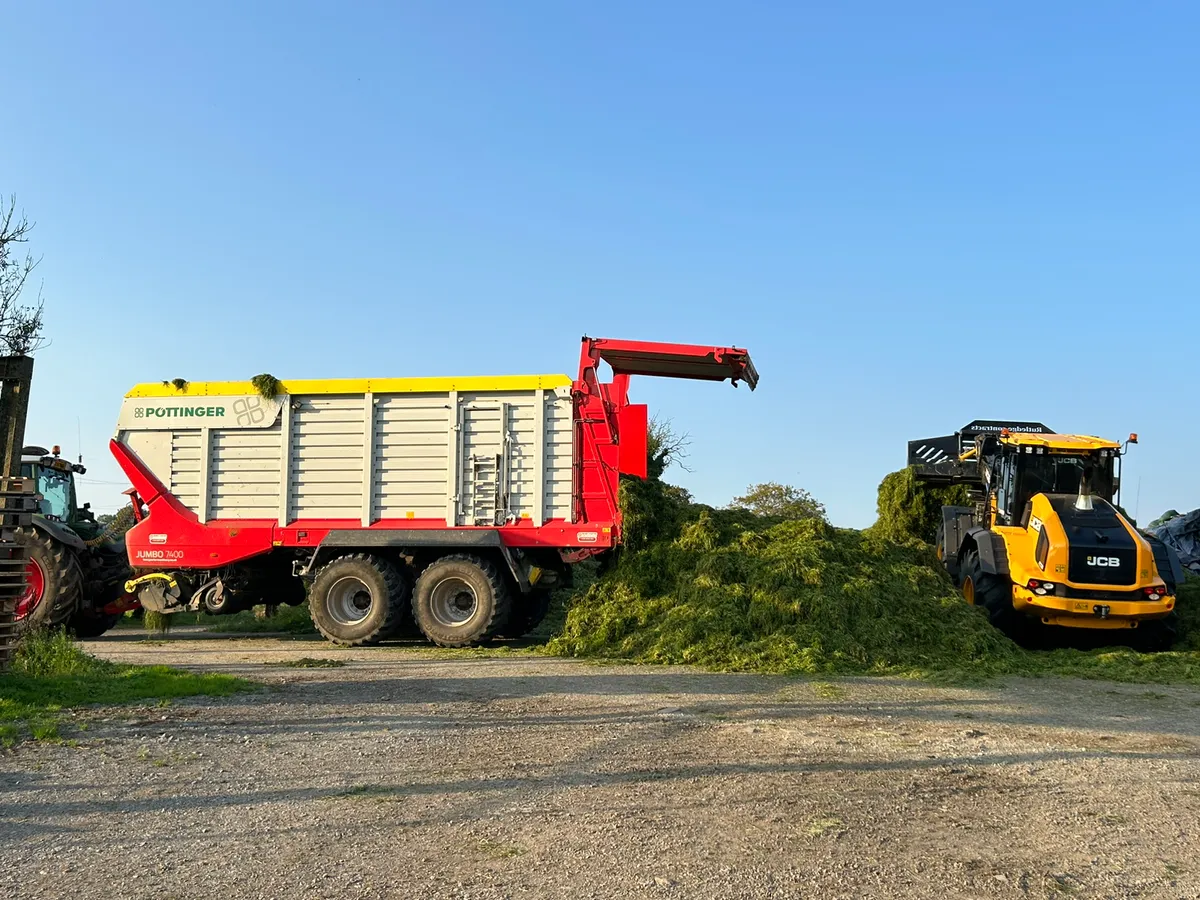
(77, 568)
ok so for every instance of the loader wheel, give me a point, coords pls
(53, 582)
(461, 601)
(991, 592)
(1157, 635)
(357, 599)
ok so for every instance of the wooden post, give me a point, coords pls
(16, 375)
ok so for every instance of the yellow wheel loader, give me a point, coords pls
(1045, 540)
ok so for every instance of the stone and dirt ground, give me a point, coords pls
(405, 772)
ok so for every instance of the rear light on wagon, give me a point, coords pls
(1158, 592)
(1041, 588)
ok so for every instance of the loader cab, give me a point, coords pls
(1018, 470)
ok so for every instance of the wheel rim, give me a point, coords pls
(453, 602)
(350, 601)
(35, 590)
(969, 591)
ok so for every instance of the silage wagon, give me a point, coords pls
(459, 501)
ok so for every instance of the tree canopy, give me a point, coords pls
(781, 501)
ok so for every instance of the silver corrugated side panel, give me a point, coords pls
(465, 458)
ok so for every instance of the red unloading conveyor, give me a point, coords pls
(610, 432)
(610, 440)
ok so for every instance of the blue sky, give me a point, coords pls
(912, 214)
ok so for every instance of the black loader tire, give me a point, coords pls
(91, 623)
(1157, 635)
(461, 601)
(528, 612)
(991, 592)
(62, 579)
(352, 585)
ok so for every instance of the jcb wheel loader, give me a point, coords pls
(1045, 541)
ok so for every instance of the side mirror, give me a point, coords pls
(87, 506)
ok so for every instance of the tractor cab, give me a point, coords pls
(57, 500)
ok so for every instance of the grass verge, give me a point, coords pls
(49, 674)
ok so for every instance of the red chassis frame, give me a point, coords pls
(610, 440)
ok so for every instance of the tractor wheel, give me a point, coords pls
(991, 592)
(528, 611)
(53, 582)
(356, 600)
(92, 623)
(461, 601)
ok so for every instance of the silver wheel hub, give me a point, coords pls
(349, 600)
(453, 602)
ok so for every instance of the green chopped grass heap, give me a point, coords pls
(1187, 602)
(909, 509)
(268, 386)
(733, 591)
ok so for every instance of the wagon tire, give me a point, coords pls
(226, 605)
(461, 601)
(356, 599)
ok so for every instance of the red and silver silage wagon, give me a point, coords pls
(461, 499)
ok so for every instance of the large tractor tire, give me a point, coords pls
(461, 601)
(357, 599)
(53, 582)
(991, 592)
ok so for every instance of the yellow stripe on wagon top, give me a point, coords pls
(470, 383)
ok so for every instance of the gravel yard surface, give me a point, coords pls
(405, 772)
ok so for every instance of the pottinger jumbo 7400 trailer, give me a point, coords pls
(464, 499)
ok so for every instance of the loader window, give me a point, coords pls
(1054, 474)
(1005, 508)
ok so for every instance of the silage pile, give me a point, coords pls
(731, 590)
(909, 509)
